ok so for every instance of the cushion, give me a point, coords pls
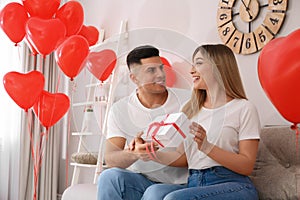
(85, 158)
(276, 173)
(80, 192)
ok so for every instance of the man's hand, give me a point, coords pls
(141, 148)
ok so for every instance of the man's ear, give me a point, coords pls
(133, 78)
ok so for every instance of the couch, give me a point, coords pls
(276, 174)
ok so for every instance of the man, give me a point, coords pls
(131, 172)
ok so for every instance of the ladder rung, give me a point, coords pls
(83, 165)
(87, 103)
(96, 84)
(84, 133)
(100, 102)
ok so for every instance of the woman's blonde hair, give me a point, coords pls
(223, 58)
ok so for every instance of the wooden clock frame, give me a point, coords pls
(249, 10)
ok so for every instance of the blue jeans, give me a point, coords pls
(214, 184)
(117, 184)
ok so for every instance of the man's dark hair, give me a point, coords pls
(138, 53)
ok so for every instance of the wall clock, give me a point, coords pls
(246, 26)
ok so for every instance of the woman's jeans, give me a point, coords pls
(117, 184)
(216, 183)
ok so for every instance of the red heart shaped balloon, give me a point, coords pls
(71, 54)
(279, 72)
(24, 89)
(170, 74)
(90, 33)
(101, 63)
(71, 14)
(44, 9)
(45, 34)
(13, 18)
(51, 107)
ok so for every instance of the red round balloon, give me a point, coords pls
(44, 9)
(71, 54)
(71, 14)
(170, 74)
(13, 18)
(101, 63)
(45, 34)
(51, 107)
(24, 89)
(90, 33)
(279, 72)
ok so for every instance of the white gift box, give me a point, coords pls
(169, 130)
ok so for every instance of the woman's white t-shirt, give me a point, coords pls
(225, 126)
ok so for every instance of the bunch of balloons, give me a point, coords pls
(46, 27)
(26, 89)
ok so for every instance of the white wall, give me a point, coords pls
(196, 21)
(177, 27)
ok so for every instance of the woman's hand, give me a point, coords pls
(200, 137)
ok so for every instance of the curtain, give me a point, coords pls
(48, 175)
(9, 123)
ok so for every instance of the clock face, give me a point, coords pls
(246, 26)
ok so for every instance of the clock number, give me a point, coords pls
(227, 30)
(276, 2)
(226, 3)
(248, 43)
(223, 16)
(262, 37)
(277, 5)
(235, 41)
(274, 21)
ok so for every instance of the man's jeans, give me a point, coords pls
(117, 184)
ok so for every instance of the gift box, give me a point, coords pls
(169, 130)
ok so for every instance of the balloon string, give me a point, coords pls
(29, 117)
(43, 140)
(40, 152)
(67, 149)
(73, 89)
(56, 90)
(58, 82)
(295, 128)
(19, 53)
(36, 164)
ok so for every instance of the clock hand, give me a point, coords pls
(247, 9)
(249, 3)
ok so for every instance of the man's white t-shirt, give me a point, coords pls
(225, 127)
(128, 116)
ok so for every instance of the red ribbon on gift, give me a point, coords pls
(158, 125)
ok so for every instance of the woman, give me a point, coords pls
(221, 149)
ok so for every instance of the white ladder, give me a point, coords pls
(112, 81)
